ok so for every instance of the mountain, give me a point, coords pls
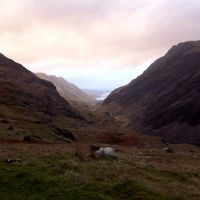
(68, 90)
(164, 100)
(28, 104)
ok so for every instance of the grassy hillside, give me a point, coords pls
(66, 171)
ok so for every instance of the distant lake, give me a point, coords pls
(102, 96)
(99, 95)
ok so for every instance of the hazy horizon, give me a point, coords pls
(82, 83)
(95, 44)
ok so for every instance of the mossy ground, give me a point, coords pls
(58, 179)
(54, 174)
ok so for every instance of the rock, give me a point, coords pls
(33, 138)
(4, 121)
(169, 149)
(10, 128)
(64, 134)
(164, 141)
(12, 160)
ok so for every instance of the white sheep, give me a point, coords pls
(107, 151)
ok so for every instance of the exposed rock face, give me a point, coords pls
(165, 99)
(68, 90)
(25, 96)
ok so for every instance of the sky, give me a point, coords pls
(96, 44)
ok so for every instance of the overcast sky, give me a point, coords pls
(99, 44)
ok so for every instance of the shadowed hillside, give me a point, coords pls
(68, 90)
(165, 99)
(27, 103)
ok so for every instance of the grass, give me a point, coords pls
(67, 177)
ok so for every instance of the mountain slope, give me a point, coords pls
(68, 90)
(165, 99)
(27, 102)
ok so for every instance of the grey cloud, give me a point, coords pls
(131, 31)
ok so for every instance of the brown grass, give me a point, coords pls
(121, 139)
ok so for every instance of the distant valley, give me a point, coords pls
(49, 126)
(68, 90)
(100, 100)
(163, 101)
(99, 95)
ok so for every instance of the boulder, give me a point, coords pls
(32, 138)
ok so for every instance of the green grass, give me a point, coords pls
(71, 179)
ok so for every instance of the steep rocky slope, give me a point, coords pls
(27, 102)
(165, 99)
(68, 90)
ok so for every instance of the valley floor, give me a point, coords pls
(57, 170)
(66, 171)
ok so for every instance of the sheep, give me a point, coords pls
(107, 151)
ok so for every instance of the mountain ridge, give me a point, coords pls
(164, 100)
(68, 90)
(27, 102)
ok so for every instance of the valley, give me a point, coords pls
(60, 170)
(56, 169)
(99, 100)
(47, 126)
